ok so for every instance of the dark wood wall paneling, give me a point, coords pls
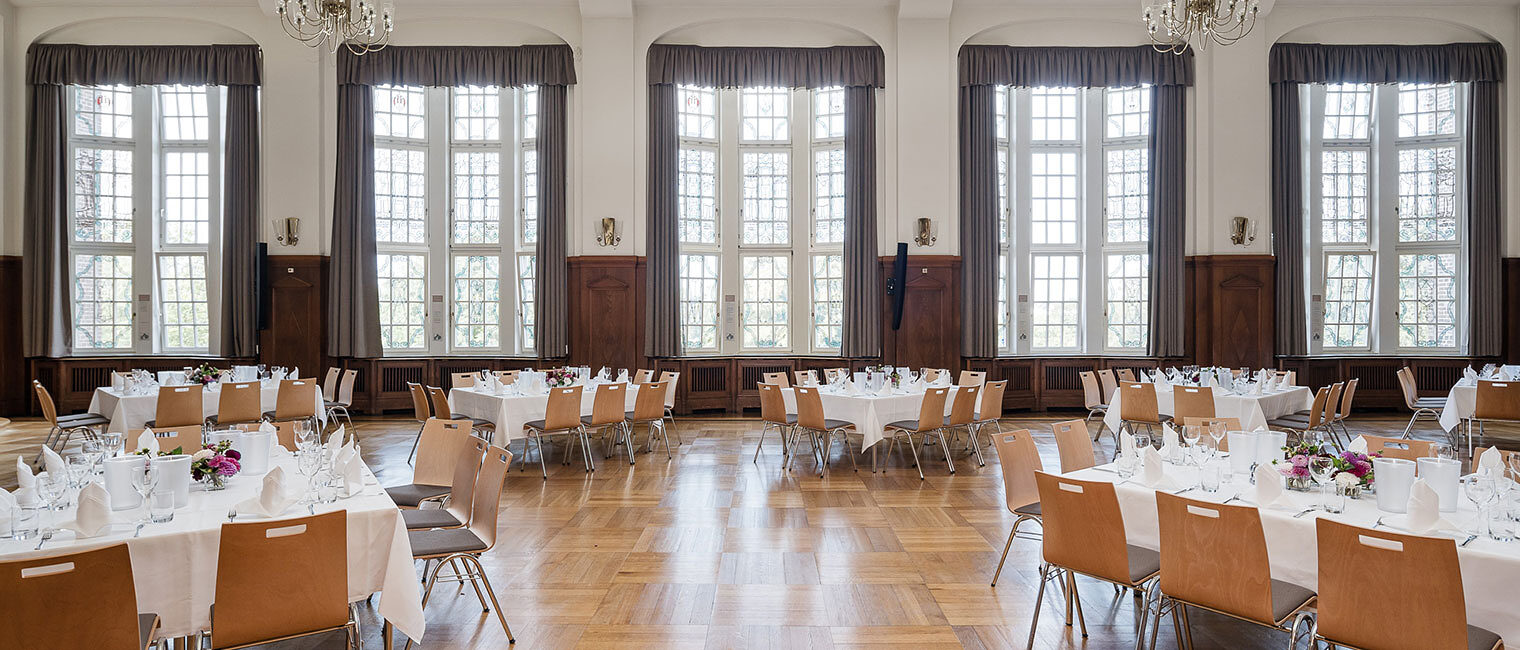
(297, 334)
(15, 389)
(1231, 301)
(930, 335)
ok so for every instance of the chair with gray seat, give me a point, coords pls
(931, 419)
(439, 448)
(63, 427)
(773, 415)
(1421, 407)
(821, 431)
(442, 410)
(455, 512)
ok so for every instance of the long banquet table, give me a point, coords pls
(130, 412)
(509, 410)
(1252, 410)
(869, 413)
(174, 563)
(1490, 569)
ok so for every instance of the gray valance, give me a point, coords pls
(143, 65)
(1308, 63)
(1087, 67)
(789, 67)
(523, 65)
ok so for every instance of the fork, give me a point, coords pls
(45, 537)
(232, 514)
(1301, 513)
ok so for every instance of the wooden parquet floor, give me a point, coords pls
(711, 549)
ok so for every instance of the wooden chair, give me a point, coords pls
(456, 509)
(562, 417)
(643, 376)
(1230, 424)
(421, 412)
(443, 411)
(962, 414)
(1399, 447)
(1214, 557)
(1126, 374)
(1418, 579)
(1109, 385)
(1084, 534)
(75, 600)
(773, 414)
(1020, 460)
(1192, 402)
(464, 546)
(931, 418)
(1314, 419)
(649, 410)
(1339, 416)
(990, 411)
(1137, 405)
(776, 379)
(805, 377)
(1497, 401)
(1074, 447)
(607, 413)
(971, 378)
(440, 445)
(238, 403)
(188, 439)
(296, 401)
(178, 406)
(255, 563)
(1421, 407)
(330, 384)
(338, 407)
(62, 428)
(669, 379)
(506, 377)
(931, 374)
(820, 430)
(461, 380)
(1092, 398)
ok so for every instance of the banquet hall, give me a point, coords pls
(759, 324)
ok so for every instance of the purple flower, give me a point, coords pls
(234, 455)
(1300, 460)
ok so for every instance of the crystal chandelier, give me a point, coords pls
(1174, 25)
(351, 23)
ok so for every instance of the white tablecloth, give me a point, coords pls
(509, 411)
(1490, 569)
(1460, 403)
(174, 563)
(1253, 411)
(130, 412)
(869, 413)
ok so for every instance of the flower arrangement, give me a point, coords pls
(204, 374)
(559, 377)
(1353, 470)
(215, 464)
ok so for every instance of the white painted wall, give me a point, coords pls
(1228, 147)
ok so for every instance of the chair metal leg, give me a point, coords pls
(481, 571)
(671, 415)
(1076, 598)
(1039, 598)
(763, 427)
(916, 464)
(417, 440)
(542, 465)
(1007, 546)
(944, 444)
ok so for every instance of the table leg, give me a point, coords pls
(385, 633)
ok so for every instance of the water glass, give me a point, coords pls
(113, 443)
(1211, 476)
(1125, 465)
(161, 506)
(1335, 498)
(25, 521)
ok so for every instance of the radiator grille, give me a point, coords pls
(393, 379)
(708, 379)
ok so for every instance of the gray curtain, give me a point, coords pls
(1001, 65)
(353, 301)
(240, 223)
(979, 221)
(550, 283)
(663, 245)
(789, 67)
(1168, 203)
(1287, 220)
(1485, 213)
(448, 65)
(143, 65)
(861, 336)
(1315, 63)
(46, 273)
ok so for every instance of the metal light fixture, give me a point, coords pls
(287, 231)
(333, 23)
(1242, 231)
(609, 236)
(925, 234)
(1176, 25)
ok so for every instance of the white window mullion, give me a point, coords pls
(1385, 230)
(1020, 223)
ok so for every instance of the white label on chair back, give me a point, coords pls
(184, 389)
(286, 531)
(1497, 384)
(298, 383)
(1203, 512)
(163, 434)
(566, 391)
(1010, 438)
(1378, 542)
(1071, 487)
(48, 570)
(1389, 444)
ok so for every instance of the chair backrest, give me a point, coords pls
(461, 501)
(931, 374)
(438, 449)
(1138, 403)
(1416, 577)
(1109, 385)
(1317, 410)
(179, 406)
(1230, 424)
(1019, 460)
(420, 409)
(461, 379)
(487, 503)
(607, 405)
(254, 565)
(1082, 527)
(1410, 389)
(810, 408)
(777, 378)
(330, 384)
(931, 412)
(1498, 400)
(992, 401)
(1215, 555)
(1192, 401)
(1507, 455)
(772, 404)
(45, 402)
(1074, 445)
(1405, 448)
(440, 401)
(1126, 374)
(805, 377)
(971, 378)
(188, 439)
(1092, 394)
(297, 398)
(1332, 401)
(284, 434)
(1346, 397)
(643, 376)
(75, 600)
(564, 409)
(506, 377)
(239, 402)
(963, 409)
(346, 387)
(669, 379)
(830, 373)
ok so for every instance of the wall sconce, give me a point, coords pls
(287, 231)
(925, 234)
(1242, 231)
(609, 236)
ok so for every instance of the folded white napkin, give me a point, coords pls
(1162, 383)
(146, 440)
(886, 389)
(295, 373)
(268, 427)
(1358, 445)
(848, 387)
(1154, 475)
(1169, 444)
(54, 464)
(26, 482)
(350, 473)
(1490, 461)
(7, 503)
(1127, 446)
(1424, 513)
(604, 374)
(271, 499)
(622, 376)
(93, 517)
(1469, 375)
(1258, 387)
(334, 442)
(1269, 489)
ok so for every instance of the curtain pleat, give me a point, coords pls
(353, 305)
(47, 326)
(1485, 191)
(1168, 191)
(64, 64)
(663, 246)
(523, 65)
(1288, 220)
(1308, 63)
(788, 67)
(551, 289)
(1089, 67)
(861, 335)
(240, 223)
(979, 221)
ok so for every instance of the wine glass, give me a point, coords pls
(309, 462)
(1191, 434)
(1322, 470)
(1217, 432)
(51, 490)
(95, 450)
(80, 465)
(1443, 450)
(1479, 490)
(305, 437)
(144, 481)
